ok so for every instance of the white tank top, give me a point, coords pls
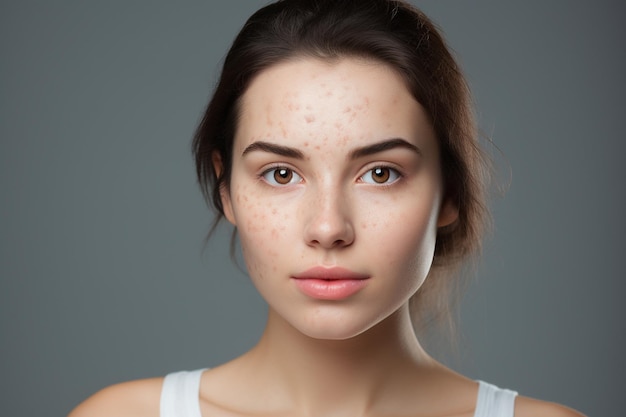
(181, 391)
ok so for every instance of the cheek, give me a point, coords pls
(261, 227)
(403, 237)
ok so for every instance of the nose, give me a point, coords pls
(329, 222)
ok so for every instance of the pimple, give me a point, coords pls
(283, 130)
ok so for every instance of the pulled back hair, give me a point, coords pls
(388, 31)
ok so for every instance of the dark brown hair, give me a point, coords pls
(388, 31)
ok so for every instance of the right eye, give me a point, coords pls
(281, 176)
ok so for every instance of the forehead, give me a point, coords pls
(311, 99)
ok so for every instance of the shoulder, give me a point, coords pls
(139, 398)
(529, 407)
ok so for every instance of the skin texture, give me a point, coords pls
(305, 193)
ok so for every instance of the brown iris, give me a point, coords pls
(381, 175)
(283, 175)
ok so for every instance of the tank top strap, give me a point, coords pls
(180, 394)
(494, 402)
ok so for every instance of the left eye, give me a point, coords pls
(380, 175)
(281, 176)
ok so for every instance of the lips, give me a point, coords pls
(334, 283)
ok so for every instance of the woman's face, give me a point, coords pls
(336, 193)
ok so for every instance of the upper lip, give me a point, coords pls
(329, 273)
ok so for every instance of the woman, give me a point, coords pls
(340, 144)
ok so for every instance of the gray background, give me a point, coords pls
(103, 277)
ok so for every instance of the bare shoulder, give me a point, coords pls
(129, 399)
(529, 407)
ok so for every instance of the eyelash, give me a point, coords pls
(394, 173)
(274, 169)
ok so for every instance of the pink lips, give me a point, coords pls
(330, 283)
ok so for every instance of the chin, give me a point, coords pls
(333, 327)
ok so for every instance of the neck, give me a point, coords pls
(356, 373)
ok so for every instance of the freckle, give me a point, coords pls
(317, 147)
(347, 109)
(309, 107)
(329, 93)
(364, 225)
(306, 144)
(309, 118)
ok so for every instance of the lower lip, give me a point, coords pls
(336, 289)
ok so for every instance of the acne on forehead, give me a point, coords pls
(274, 103)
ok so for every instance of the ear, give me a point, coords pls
(227, 205)
(448, 213)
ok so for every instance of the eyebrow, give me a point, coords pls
(273, 148)
(385, 145)
(360, 152)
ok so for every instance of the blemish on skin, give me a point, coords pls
(309, 118)
(348, 109)
(306, 144)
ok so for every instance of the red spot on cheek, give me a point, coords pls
(309, 118)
